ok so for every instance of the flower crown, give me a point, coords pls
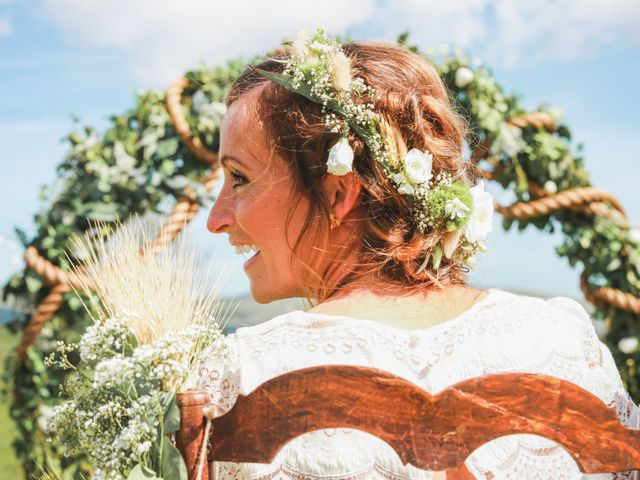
(319, 70)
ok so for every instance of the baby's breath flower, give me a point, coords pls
(319, 70)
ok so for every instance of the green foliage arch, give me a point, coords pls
(139, 165)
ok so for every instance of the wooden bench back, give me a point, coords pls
(432, 432)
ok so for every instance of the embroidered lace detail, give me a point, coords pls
(503, 332)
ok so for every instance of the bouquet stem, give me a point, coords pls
(192, 438)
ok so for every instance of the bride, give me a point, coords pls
(343, 174)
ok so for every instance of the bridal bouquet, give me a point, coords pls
(153, 325)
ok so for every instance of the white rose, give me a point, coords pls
(634, 234)
(417, 165)
(464, 77)
(550, 187)
(480, 221)
(340, 158)
(628, 345)
(341, 72)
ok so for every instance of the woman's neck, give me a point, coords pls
(414, 311)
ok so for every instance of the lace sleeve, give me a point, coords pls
(577, 356)
(219, 374)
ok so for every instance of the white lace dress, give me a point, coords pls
(502, 332)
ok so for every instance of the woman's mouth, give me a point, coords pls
(251, 249)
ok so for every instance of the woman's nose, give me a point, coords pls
(220, 215)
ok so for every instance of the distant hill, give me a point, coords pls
(249, 312)
(245, 311)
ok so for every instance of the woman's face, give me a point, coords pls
(255, 204)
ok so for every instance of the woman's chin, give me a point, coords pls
(260, 295)
(267, 295)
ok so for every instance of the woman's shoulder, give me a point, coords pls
(500, 315)
(513, 325)
(524, 314)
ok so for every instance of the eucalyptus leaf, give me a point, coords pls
(139, 472)
(167, 147)
(171, 413)
(286, 82)
(173, 465)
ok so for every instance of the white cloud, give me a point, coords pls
(163, 38)
(514, 33)
(5, 27)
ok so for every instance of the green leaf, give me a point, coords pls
(283, 80)
(34, 284)
(75, 303)
(437, 256)
(106, 212)
(140, 472)
(171, 413)
(173, 465)
(506, 223)
(22, 237)
(168, 147)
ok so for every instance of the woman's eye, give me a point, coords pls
(237, 179)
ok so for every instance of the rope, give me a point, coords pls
(42, 314)
(588, 200)
(603, 296)
(173, 99)
(186, 208)
(573, 198)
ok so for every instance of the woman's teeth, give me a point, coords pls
(249, 248)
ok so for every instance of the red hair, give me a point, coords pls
(414, 102)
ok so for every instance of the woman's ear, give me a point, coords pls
(343, 193)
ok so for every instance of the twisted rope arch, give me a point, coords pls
(588, 200)
(185, 209)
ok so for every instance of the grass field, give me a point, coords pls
(9, 465)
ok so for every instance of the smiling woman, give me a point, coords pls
(252, 207)
(344, 173)
(273, 149)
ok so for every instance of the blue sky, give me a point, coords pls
(87, 58)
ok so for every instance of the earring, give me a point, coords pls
(334, 221)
